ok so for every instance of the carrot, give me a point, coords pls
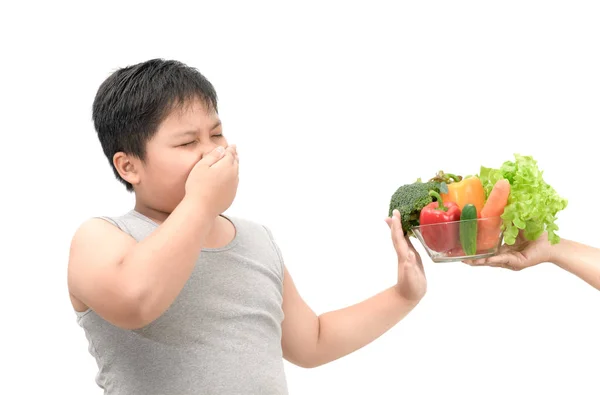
(489, 227)
(494, 206)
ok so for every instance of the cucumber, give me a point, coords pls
(468, 229)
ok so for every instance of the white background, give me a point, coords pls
(332, 106)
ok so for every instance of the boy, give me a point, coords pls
(174, 296)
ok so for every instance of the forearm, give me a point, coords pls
(579, 259)
(160, 265)
(344, 331)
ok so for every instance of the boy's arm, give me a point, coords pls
(130, 284)
(309, 340)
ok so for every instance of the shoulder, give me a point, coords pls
(260, 233)
(255, 233)
(95, 243)
(96, 237)
(95, 229)
(258, 236)
(91, 228)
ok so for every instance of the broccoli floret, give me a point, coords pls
(410, 199)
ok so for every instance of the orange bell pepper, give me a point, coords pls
(468, 190)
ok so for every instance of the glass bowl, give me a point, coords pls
(448, 241)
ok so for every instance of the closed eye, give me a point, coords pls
(195, 141)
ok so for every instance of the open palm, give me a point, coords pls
(412, 283)
(522, 254)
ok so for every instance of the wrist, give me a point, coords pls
(196, 205)
(556, 252)
(196, 211)
(404, 297)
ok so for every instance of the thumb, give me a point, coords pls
(213, 157)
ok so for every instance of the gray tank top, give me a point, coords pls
(222, 335)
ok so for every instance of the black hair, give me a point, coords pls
(132, 102)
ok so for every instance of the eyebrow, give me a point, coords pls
(194, 132)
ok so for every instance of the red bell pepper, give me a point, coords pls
(440, 238)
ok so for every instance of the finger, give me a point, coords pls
(500, 259)
(230, 154)
(228, 157)
(233, 148)
(236, 166)
(398, 236)
(388, 221)
(227, 162)
(505, 265)
(392, 223)
(213, 157)
(477, 262)
(412, 251)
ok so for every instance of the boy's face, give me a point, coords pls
(183, 138)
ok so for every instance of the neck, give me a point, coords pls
(220, 235)
(155, 215)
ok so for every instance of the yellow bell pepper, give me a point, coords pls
(468, 190)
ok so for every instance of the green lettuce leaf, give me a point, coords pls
(488, 178)
(532, 206)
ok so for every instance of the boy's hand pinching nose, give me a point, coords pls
(214, 179)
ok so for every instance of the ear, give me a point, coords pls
(128, 167)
